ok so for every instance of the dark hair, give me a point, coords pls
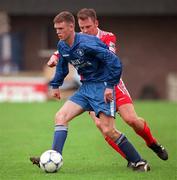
(85, 13)
(64, 16)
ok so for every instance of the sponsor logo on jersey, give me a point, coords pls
(80, 63)
(75, 62)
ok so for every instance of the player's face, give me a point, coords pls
(88, 26)
(63, 30)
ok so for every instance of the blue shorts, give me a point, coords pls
(90, 96)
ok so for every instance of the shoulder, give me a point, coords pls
(86, 37)
(88, 40)
(107, 36)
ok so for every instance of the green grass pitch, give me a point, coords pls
(26, 129)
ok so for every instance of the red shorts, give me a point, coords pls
(122, 95)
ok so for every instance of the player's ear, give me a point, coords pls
(96, 23)
(71, 25)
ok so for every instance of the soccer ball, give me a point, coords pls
(51, 161)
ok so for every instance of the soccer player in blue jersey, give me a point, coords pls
(88, 23)
(100, 70)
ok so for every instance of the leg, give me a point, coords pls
(108, 140)
(107, 127)
(112, 137)
(128, 114)
(126, 109)
(106, 124)
(62, 118)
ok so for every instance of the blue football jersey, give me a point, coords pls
(91, 58)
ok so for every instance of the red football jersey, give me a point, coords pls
(122, 94)
(108, 38)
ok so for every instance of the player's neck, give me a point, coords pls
(70, 40)
(96, 31)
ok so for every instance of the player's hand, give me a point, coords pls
(52, 61)
(108, 95)
(55, 93)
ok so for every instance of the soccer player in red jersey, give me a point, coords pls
(88, 24)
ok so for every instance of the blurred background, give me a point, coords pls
(146, 43)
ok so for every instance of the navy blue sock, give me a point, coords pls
(60, 135)
(128, 149)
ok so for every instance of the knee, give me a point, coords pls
(107, 131)
(97, 123)
(131, 120)
(60, 118)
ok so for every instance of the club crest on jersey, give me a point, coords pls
(80, 52)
